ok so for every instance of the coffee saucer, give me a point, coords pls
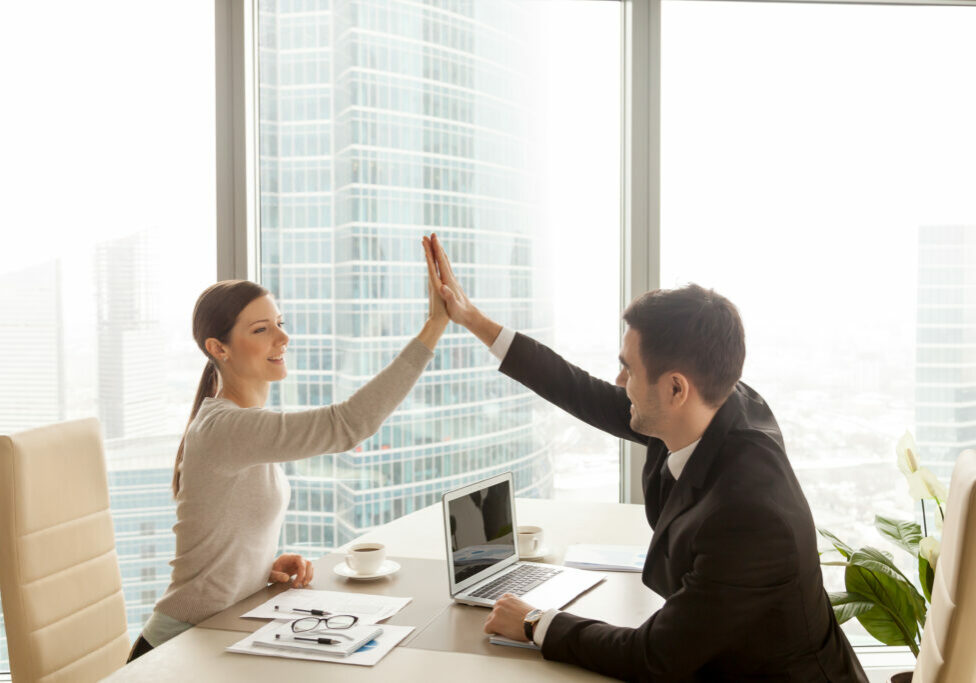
(539, 554)
(388, 567)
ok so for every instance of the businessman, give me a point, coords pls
(734, 549)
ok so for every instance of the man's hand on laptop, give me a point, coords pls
(507, 616)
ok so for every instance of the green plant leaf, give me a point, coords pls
(926, 577)
(849, 605)
(905, 535)
(880, 562)
(892, 619)
(842, 547)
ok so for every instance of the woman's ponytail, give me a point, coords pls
(206, 389)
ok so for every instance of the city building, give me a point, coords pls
(140, 472)
(130, 341)
(32, 339)
(945, 371)
(139, 453)
(376, 127)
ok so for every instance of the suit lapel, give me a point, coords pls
(687, 490)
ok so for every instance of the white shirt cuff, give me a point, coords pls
(542, 626)
(504, 340)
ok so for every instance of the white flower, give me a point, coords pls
(923, 484)
(936, 488)
(917, 487)
(907, 453)
(929, 548)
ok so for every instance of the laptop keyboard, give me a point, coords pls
(518, 582)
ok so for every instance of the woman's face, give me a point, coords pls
(257, 343)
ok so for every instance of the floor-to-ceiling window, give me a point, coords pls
(487, 123)
(107, 226)
(817, 167)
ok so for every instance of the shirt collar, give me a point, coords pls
(678, 459)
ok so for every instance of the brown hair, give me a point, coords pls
(214, 315)
(695, 331)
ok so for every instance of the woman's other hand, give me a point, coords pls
(290, 565)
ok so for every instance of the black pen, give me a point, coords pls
(320, 641)
(313, 612)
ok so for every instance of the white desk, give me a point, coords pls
(451, 646)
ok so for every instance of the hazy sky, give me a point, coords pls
(802, 146)
(107, 128)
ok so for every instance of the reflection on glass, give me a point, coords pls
(482, 532)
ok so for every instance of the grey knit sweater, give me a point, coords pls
(233, 493)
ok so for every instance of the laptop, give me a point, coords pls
(482, 556)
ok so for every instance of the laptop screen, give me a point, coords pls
(481, 529)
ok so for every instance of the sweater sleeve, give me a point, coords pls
(250, 436)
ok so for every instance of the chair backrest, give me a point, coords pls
(59, 575)
(948, 652)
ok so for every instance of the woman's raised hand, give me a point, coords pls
(437, 309)
(459, 307)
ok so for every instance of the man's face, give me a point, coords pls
(647, 403)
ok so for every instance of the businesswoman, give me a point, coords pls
(231, 493)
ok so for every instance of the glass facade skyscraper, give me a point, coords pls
(129, 396)
(139, 452)
(380, 121)
(33, 388)
(945, 371)
(130, 338)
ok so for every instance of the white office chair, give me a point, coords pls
(63, 606)
(948, 651)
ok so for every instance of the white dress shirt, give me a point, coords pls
(676, 463)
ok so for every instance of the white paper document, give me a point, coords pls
(369, 608)
(368, 655)
(608, 558)
(344, 641)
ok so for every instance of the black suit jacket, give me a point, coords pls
(734, 551)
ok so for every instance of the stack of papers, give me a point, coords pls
(369, 608)
(365, 643)
(608, 558)
(367, 655)
(348, 640)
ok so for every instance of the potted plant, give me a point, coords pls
(888, 604)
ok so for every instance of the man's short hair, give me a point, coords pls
(692, 330)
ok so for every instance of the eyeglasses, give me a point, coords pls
(333, 622)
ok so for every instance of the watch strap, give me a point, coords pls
(531, 619)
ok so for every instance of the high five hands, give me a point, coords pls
(459, 307)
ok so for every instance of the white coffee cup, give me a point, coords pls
(365, 558)
(529, 541)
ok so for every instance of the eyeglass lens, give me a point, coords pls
(311, 623)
